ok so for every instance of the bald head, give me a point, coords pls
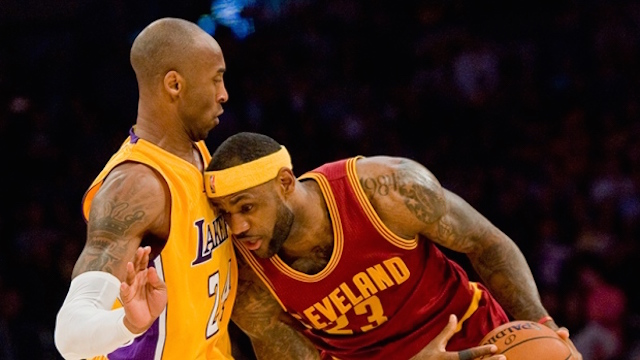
(169, 44)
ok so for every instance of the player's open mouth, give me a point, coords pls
(252, 245)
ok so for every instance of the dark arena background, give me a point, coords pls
(528, 110)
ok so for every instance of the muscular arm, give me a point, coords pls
(132, 204)
(494, 256)
(270, 329)
(411, 201)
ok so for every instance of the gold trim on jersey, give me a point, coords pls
(473, 306)
(338, 235)
(396, 240)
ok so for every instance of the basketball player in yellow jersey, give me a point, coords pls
(148, 206)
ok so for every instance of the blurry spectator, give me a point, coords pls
(476, 71)
(605, 304)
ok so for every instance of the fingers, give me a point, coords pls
(134, 281)
(141, 258)
(144, 261)
(125, 292)
(137, 256)
(154, 280)
(448, 330)
(563, 332)
(131, 273)
(465, 355)
(478, 351)
(139, 263)
(125, 286)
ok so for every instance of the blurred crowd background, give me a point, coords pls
(530, 111)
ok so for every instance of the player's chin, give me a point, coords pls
(263, 252)
(214, 122)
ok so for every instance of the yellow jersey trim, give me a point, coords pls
(473, 306)
(338, 243)
(371, 213)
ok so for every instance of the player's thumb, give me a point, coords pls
(448, 330)
(125, 290)
(153, 278)
(563, 332)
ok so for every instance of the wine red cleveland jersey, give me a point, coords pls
(380, 296)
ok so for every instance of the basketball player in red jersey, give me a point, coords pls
(348, 255)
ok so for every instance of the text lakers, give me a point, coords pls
(351, 300)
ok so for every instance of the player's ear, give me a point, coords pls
(173, 83)
(286, 180)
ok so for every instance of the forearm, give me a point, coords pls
(263, 321)
(274, 334)
(506, 273)
(86, 326)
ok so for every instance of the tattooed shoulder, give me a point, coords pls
(121, 214)
(380, 177)
(406, 181)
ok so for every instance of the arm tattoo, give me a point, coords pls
(115, 221)
(259, 315)
(414, 188)
(381, 185)
(106, 246)
(421, 201)
(506, 273)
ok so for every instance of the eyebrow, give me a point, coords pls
(238, 198)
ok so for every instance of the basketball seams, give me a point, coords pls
(507, 337)
(504, 351)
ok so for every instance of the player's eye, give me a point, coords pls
(222, 212)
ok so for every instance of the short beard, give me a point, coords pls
(281, 230)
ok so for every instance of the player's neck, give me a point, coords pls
(310, 244)
(309, 253)
(312, 262)
(175, 142)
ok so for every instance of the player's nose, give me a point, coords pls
(238, 225)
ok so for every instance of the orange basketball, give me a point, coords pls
(527, 340)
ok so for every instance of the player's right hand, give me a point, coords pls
(436, 349)
(143, 293)
(563, 332)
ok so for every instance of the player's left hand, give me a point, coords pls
(143, 293)
(436, 349)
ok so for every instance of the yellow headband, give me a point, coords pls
(221, 183)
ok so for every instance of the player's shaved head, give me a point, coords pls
(169, 44)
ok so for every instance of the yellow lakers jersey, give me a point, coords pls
(197, 263)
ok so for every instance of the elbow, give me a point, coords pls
(62, 345)
(63, 338)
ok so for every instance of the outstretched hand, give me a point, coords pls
(143, 293)
(436, 349)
